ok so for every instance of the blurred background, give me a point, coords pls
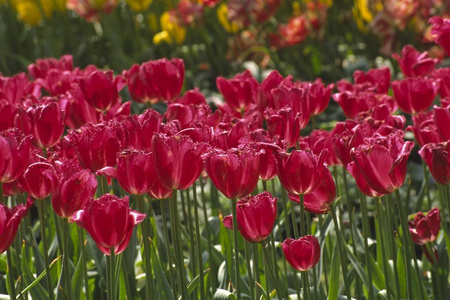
(307, 39)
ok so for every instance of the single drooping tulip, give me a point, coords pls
(302, 254)
(101, 90)
(238, 92)
(441, 32)
(135, 171)
(165, 76)
(361, 182)
(413, 63)
(437, 157)
(234, 172)
(110, 222)
(9, 223)
(14, 151)
(39, 180)
(414, 95)
(177, 160)
(382, 161)
(300, 172)
(76, 187)
(378, 78)
(47, 124)
(96, 146)
(319, 200)
(424, 229)
(255, 216)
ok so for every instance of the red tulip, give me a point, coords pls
(192, 97)
(443, 74)
(382, 161)
(442, 121)
(101, 90)
(141, 90)
(255, 216)
(317, 141)
(135, 171)
(8, 112)
(9, 223)
(264, 97)
(15, 88)
(300, 172)
(424, 229)
(110, 222)
(319, 200)
(77, 111)
(414, 63)
(437, 157)
(39, 180)
(361, 182)
(441, 32)
(74, 193)
(42, 66)
(424, 128)
(354, 103)
(177, 160)
(414, 95)
(285, 124)
(47, 124)
(302, 254)
(234, 172)
(238, 92)
(319, 96)
(165, 76)
(379, 78)
(96, 145)
(14, 151)
(158, 191)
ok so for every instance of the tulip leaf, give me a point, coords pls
(377, 276)
(161, 277)
(195, 282)
(359, 269)
(223, 294)
(333, 289)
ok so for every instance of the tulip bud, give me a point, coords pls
(238, 92)
(39, 180)
(47, 124)
(415, 95)
(424, 229)
(437, 157)
(302, 254)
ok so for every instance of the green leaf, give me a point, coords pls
(161, 279)
(223, 294)
(359, 269)
(333, 289)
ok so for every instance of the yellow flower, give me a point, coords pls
(139, 5)
(172, 32)
(153, 22)
(28, 12)
(222, 15)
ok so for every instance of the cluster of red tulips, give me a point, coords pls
(63, 126)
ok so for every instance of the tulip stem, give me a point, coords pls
(147, 247)
(41, 213)
(366, 228)
(166, 240)
(83, 258)
(272, 272)
(250, 271)
(236, 250)
(191, 231)
(383, 249)
(389, 209)
(178, 248)
(110, 274)
(198, 237)
(66, 267)
(11, 276)
(302, 233)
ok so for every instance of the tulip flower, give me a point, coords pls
(317, 141)
(300, 172)
(177, 160)
(255, 217)
(101, 90)
(442, 120)
(264, 97)
(441, 32)
(413, 63)
(9, 223)
(8, 112)
(42, 66)
(141, 91)
(354, 103)
(437, 157)
(443, 74)
(14, 151)
(110, 222)
(379, 78)
(238, 92)
(382, 161)
(424, 128)
(39, 180)
(319, 200)
(47, 124)
(414, 95)
(165, 76)
(319, 96)
(234, 172)
(74, 192)
(285, 124)
(424, 229)
(135, 171)
(302, 254)
(361, 182)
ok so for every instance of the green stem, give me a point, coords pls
(255, 266)
(166, 240)
(41, 213)
(342, 253)
(198, 237)
(83, 257)
(272, 272)
(304, 275)
(427, 188)
(393, 243)
(249, 268)
(366, 232)
(193, 257)
(12, 286)
(147, 247)
(383, 249)
(178, 247)
(66, 262)
(236, 250)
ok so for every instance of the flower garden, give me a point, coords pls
(258, 149)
